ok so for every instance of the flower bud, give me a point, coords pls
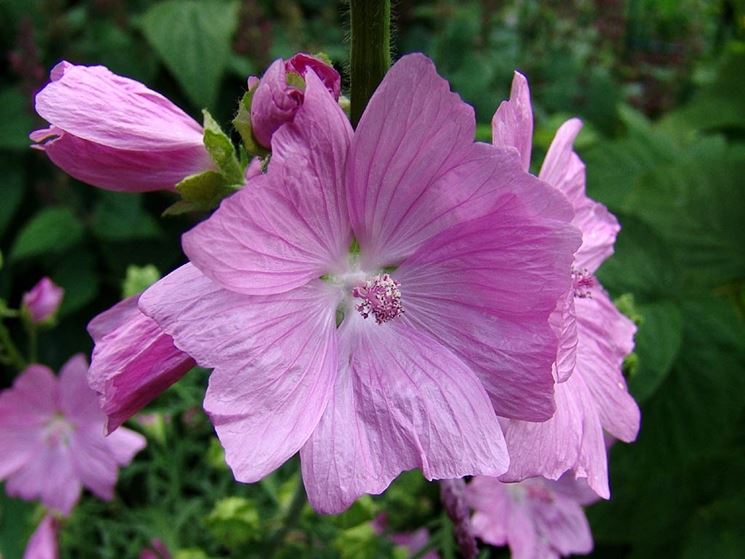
(115, 133)
(280, 93)
(42, 302)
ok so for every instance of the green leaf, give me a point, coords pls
(242, 123)
(697, 204)
(221, 150)
(51, 231)
(192, 37)
(15, 119)
(121, 217)
(657, 343)
(613, 168)
(200, 192)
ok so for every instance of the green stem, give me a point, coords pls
(371, 50)
(14, 356)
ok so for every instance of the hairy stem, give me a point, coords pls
(371, 50)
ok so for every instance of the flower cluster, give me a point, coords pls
(378, 299)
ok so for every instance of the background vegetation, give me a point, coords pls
(661, 87)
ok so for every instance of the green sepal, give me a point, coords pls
(201, 193)
(221, 150)
(242, 123)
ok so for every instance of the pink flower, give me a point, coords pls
(537, 518)
(591, 395)
(133, 361)
(43, 301)
(115, 133)
(51, 433)
(43, 542)
(276, 101)
(462, 257)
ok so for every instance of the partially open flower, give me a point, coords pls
(133, 361)
(42, 302)
(594, 337)
(280, 92)
(115, 133)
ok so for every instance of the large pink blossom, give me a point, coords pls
(51, 433)
(43, 542)
(454, 254)
(591, 395)
(133, 361)
(115, 133)
(537, 518)
(276, 101)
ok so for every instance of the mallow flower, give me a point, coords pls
(132, 361)
(43, 301)
(375, 296)
(51, 433)
(279, 93)
(43, 542)
(537, 518)
(115, 133)
(594, 337)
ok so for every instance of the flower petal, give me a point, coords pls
(563, 169)
(274, 359)
(485, 289)
(564, 322)
(401, 401)
(414, 170)
(572, 440)
(48, 477)
(94, 104)
(133, 361)
(605, 338)
(121, 170)
(290, 225)
(512, 124)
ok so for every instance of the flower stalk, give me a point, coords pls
(370, 50)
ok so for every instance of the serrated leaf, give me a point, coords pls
(51, 231)
(192, 37)
(221, 150)
(200, 192)
(697, 205)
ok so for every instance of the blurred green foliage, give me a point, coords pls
(660, 85)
